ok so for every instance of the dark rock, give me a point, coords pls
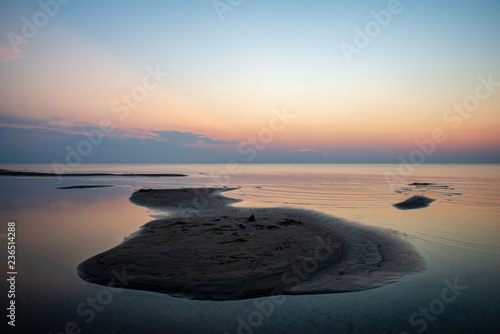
(414, 202)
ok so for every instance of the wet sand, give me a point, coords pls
(210, 250)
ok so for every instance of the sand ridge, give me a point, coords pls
(210, 250)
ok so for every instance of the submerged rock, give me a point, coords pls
(414, 202)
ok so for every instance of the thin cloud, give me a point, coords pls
(179, 137)
(312, 151)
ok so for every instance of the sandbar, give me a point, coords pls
(209, 250)
(87, 186)
(7, 172)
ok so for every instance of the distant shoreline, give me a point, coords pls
(7, 172)
(88, 186)
(210, 250)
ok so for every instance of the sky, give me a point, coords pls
(264, 81)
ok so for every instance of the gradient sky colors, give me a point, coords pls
(228, 78)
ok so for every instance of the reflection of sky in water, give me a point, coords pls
(458, 236)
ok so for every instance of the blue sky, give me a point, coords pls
(225, 78)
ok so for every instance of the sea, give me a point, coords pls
(458, 236)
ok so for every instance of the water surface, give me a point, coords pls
(458, 235)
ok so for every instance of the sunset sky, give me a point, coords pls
(256, 81)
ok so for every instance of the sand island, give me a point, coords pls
(208, 249)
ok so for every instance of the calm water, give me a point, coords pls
(458, 235)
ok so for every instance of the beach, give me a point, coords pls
(210, 250)
(58, 229)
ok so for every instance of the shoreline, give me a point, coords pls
(208, 250)
(7, 172)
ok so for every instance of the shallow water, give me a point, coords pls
(458, 235)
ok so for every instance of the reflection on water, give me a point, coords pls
(458, 236)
